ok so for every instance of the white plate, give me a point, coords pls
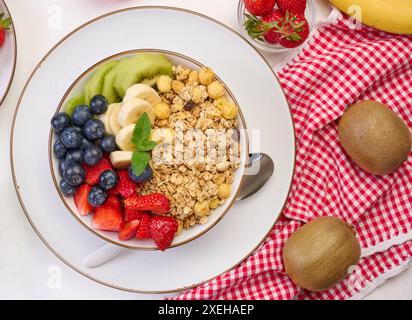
(8, 54)
(241, 68)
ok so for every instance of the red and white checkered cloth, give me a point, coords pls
(339, 66)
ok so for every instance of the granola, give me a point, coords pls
(198, 148)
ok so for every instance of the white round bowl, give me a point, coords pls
(186, 235)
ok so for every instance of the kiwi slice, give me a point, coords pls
(140, 67)
(73, 102)
(151, 81)
(96, 82)
(108, 87)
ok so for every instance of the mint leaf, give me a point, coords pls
(141, 139)
(146, 145)
(140, 160)
(142, 129)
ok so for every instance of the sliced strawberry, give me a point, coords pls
(114, 202)
(107, 219)
(125, 187)
(113, 192)
(155, 202)
(144, 228)
(93, 172)
(80, 199)
(130, 214)
(129, 230)
(163, 230)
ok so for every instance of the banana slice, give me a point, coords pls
(131, 111)
(163, 135)
(105, 118)
(114, 125)
(142, 91)
(124, 138)
(121, 159)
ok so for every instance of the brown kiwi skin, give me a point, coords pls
(318, 255)
(376, 139)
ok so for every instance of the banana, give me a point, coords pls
(114, 125)
(121, 159)
(105, 118)
(393, 16)
(142, 91)
(163, 135)
(124, 138)
(131, 110)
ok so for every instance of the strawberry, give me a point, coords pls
(276, 17)
(266, 27)
(125, 187)
(155, 202)
(294, 31)
(130, 214)
(144, 228)
(81, 201)
(93, 172)
(4, 25)
(292, 6)
(113, 202)
(163, 230)
(259, 7)
(129, 230)
(107, 219)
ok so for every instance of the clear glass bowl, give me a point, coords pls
(310, 15)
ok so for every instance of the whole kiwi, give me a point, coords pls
(318, 255)
(374, 137)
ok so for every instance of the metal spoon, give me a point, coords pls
(258, 171)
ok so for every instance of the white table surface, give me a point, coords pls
(28, 270)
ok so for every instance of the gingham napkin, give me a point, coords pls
(342, 63)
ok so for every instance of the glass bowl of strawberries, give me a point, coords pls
(276, 25)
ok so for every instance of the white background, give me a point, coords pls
(27, 268)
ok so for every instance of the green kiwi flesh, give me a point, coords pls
(95, 84)
(108, 87)
(141, 66)
(73, 102)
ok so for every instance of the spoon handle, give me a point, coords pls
(102, 255)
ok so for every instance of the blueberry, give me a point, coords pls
(81, 115)
(79, 129)
(108, 180)
(62, 166)
(74, 156)
(93, 129)
(108, 144)
(60, 121)
(59, 149)
(97, 197)
(86, 144)
(71, 138)
(144, 177)
(67, 189)
(74, 174)
(93, 155)
(98, 104)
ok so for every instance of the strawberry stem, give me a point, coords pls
(256, 28)
(5, 23)
(291, 29)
